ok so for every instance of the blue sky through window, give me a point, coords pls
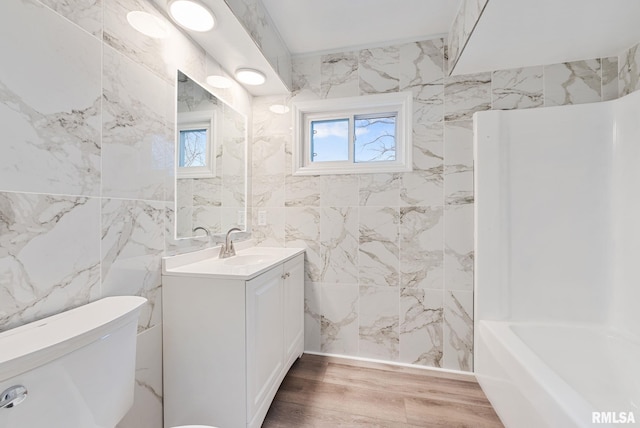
(193, 148)
(375, 139)
(330, 140)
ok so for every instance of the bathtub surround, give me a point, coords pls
(390, 256)
(86, 166)
(558, 286)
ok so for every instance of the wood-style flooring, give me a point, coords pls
(332, 392)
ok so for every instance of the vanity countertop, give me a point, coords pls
(249, 262)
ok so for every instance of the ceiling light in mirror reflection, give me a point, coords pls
(249, 76)
(148, 24)
(219, 82)
(191, 15)
(279, 108)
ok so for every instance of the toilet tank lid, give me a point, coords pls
(32, 345)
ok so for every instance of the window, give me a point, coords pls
(196, 145)
(349, 135)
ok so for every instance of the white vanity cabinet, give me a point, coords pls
(229, 340)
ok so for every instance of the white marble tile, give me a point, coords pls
(378, 322)
(302, 191)
(379, 70)
(458, 330)
(268, 190)
(382, 190)
(177, 245)
(138, 146)
(160, 56)
(230, 217)
(609, 78)
(302, 230)
(206, 191)
(50, 120)
(428, 102)
(339, 237)
(49, 255)
(339, 324)
(312, 316)
(233, 153)
(629, 71)
(465, 95)
(421, 62)
(185, 224)
(421, 244)
(268, 157)
(465, 21)
(517, 88)
(234, 192)
(146, 411)
(306, 77)
(339, 75)
(268, 124)
(271, 234)
(574, 82)
(256, 20)
(458, 170)
(422, 188)
(458, 249)
(339, 190)
(207, 216)
(421, 327)
(379, 249)
(85, 13)
(428, 146)
(132, 247)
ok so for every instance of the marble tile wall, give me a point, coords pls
(463, 24)
(389, 271)
(629, 71)
(86, 166)
(256, 20)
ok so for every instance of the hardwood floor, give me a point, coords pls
(332, 392)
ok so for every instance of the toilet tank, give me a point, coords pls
(78, 367)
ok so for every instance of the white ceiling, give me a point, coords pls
(520, 33)
(308, 26)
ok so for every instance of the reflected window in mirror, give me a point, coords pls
(197, 144)
(211, 162)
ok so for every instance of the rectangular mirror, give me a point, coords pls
(211, 162)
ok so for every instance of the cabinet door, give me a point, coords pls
(265, 342)
(294, 308)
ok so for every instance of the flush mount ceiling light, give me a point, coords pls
(218, 81)
(148, 24)
(250, 76)
(192, 15)
(279, 108)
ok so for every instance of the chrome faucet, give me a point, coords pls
(201, 228)
(226, 249)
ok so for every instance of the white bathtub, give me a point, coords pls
(558, 375)
(557, 245)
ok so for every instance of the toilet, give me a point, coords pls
(75, 369)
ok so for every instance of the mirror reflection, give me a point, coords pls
(211, 141)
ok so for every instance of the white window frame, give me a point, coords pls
(198, 120)
(304, 112)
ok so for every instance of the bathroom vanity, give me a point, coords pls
(232, 328)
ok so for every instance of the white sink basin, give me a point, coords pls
(248, 262)
(247, 259)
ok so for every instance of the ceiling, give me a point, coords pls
(519, 33)
(310, 26)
